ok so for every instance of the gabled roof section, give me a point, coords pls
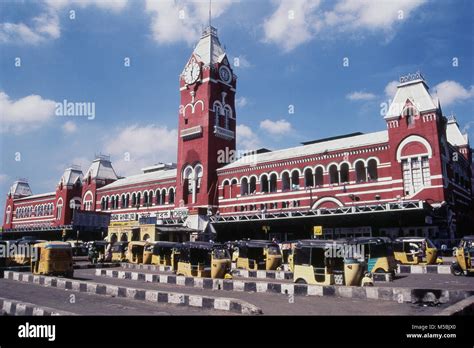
(101, 168)
(209, 50)
(142, 178)
(71, 176)
(346, 143)
(20, 189)
(416, 91)
(454, 135)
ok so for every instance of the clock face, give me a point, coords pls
(191, 72)
(225, 74)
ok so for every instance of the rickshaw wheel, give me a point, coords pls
(456, 269)
(300, 281)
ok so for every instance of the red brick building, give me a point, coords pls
(415, 177)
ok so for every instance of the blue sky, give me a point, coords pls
(290, 53)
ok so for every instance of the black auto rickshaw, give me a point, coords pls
(204, 259)
(377, 253)
(326, 262)
(97, 251)
(166, 254)
(464, 255)
(119, 252)
(135, 251)
(258, 255)
(25, 250)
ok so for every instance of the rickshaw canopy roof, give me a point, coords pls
(166, 244)
(410, 239)
(202, 245)
(53, 245)
(366, 240)
(468, 237)
(319, 243)
(255, 243)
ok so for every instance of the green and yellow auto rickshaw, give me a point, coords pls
(464, 254)
(377, 253)
(204, 259)
(415, 251)
(325, 262)
(97, 250)
(166, 254)
(258, 255)
(53, 258)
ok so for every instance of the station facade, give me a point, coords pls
(413, 178)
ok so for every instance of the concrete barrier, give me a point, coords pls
(401, 295)
(424, 269)
(205, 302)
(158, 268)
(20, 308)
(463, 307)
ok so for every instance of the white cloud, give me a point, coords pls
(46, 25)
(290, 24)
(69, 127)
(173, 21)
(25, 114)
(112, 5)
(360, 96)
(144, 145)
(246, 138)
(345, 16)
(276, 127)
(450, 92)
(391, 89)
(241, 102)
(43, 27)
(3, 178)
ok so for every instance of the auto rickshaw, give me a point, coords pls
(204, 259)
(415, 251)
(53, 258)
(166, 254)
(464, 255)
(97, 251)
(378, 253)
(135, 251)
(258, 255)
(78, 247)
(148, 253)
(119, 252)
(24, 251)
(6, 247)
(324, 262)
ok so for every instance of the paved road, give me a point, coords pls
(433, 281)
(89, 304)
(275, 304)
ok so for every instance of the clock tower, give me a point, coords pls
(206, 123)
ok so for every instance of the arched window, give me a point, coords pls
(253, 185)
(9, 212)
(344, 173)
(163, 196)
(372, 169)
(360, 171)
(295, 180)
(145, 198)
(333, 174)
(273, 182)
(308, 178)
(233, 188)
(285, 181)
(244, 187)
(139, 199)
(102, 204)
(134, 199)
(318, 176)
(59, 209)
(171, 196)
(225, 189)
(122, 201)
(410, 114)
(264, 184)
(198, 172)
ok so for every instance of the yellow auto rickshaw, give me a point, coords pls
(464, 255)
(204, 259)
(415, 251)
(53, 258)
(119, 252)
(325, 262)
(24, 251)
(377, 254)
(148, 253)
(166, 254)
(135, 251)
(258, 255)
